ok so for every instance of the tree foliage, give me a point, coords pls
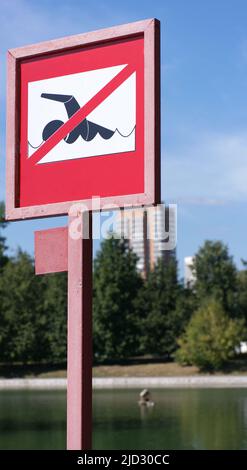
(131, 316)
(116, 285)
(3, 257)
(186, 304)
(216, 275)
(21, 310)
(33, 314)
(161, 320)
(242, 292)
(54, 332)
(210, 338)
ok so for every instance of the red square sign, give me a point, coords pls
(83, 122)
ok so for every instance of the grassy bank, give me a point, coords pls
(237, 366)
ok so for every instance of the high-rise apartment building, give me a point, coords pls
(151, 233)
(189, 276)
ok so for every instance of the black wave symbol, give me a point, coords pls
(86, 129)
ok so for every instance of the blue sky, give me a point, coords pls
(204, 106)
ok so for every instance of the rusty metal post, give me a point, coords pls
(79, 368)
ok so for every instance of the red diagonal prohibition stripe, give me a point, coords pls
(81, 114)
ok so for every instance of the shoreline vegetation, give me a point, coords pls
(142, 327)
(148, 368)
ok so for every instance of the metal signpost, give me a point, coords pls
(83, 121)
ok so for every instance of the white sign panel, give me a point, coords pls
(109, 129)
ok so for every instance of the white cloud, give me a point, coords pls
(26, 22)
(199, 168)
(210, 169)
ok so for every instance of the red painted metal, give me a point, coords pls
(51, 250)
(81, 178)
(149, 193)
(56, 250)
(79, 389)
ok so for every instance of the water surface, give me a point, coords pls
(180, 419)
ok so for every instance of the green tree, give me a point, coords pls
(161, 320)
(185, 306)
(242, 291)
(22, 313)
(3, 257)
(210, 338)
(116, 285)
(54, 331)
(216, 275)
(33, 316)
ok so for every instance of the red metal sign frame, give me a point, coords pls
(149, 30)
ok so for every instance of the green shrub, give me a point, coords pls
(210, 338)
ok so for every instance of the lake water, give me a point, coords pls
(180, 419)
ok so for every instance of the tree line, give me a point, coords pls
(132, 317)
